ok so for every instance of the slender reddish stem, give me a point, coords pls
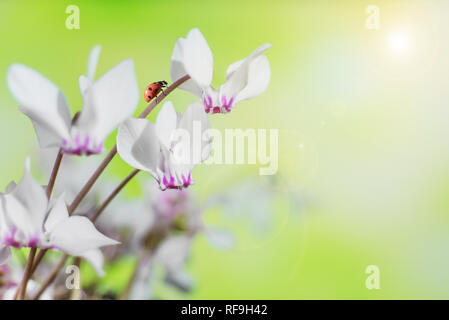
(30, 267)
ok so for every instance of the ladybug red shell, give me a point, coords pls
(153, 90)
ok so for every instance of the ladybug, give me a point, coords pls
(153, 90)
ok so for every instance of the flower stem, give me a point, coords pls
(114, 194)
(80, 196)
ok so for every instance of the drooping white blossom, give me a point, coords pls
(245, 79)
(29, 219)
(169, 149)
(106, 103)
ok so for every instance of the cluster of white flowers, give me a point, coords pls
(29, 217)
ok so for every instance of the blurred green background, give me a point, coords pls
(363, 124)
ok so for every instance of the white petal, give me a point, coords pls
(3, 225)
(43, 102)
(5, 253)
(252, 72)
(166, 122)
(192, 56)
(141, 288)
(77, 235)
(10, 187)
(96, 259)
(48, 294)
(138, 145)
(196, 122)
(58, 213)
(233, 67)
(92, 63)
(109, 102)
(198, 58)
(174, 252)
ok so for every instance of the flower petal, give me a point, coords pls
(92, 63)
(43, 102)
(5, 253)
(166, 122)
(96, 259)
(76, 235)
(247, 78)
(31, 197)
(109, 101)
(192, 56)
(138, 145)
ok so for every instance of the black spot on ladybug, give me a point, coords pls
(150, 88)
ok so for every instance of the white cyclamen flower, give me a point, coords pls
(169, 149)
(245, 79)
(107, 102)
(28, 219)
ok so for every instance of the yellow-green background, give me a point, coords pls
(373, 125)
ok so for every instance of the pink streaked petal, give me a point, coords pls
(33, 241)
